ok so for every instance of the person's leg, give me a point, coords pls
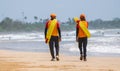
(51, 48)
(85, 48)
(80, 47)
(57, 48)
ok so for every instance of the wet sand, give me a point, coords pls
(37, 61)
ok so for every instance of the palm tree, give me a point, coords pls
(36, 18)
(25, 18)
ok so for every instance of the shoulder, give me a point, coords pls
(77, 24)
(87, 22)
(47, 21)
(57, 22)
(78, 21)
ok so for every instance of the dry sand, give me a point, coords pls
(28, 61)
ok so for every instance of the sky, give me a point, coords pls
(93, 9)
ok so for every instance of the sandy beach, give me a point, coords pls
(31, 61)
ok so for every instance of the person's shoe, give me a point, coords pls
(80, 57)
(85, 59)
(57, 58)
(53, 59)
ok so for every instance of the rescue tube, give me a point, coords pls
(76, 19)
(50, 30)
(85, 30)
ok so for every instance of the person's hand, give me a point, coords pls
(76, 39)
(46, 40)
(59, 39)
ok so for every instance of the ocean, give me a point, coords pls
(103, 42)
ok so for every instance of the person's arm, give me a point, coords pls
(46, 28)
(77, 30)
(59, 31)
(45, 32)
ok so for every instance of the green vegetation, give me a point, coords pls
(100, 24)
(9, 25)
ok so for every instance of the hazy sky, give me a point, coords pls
(94, 9)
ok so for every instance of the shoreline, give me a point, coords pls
(68, 53)
(40, 61)
(67, 48)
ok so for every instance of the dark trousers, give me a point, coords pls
(82, 44)
(54, 43)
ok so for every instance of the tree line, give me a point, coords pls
(10, 25)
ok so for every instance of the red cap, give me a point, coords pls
(82, 16)
(53, 15)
